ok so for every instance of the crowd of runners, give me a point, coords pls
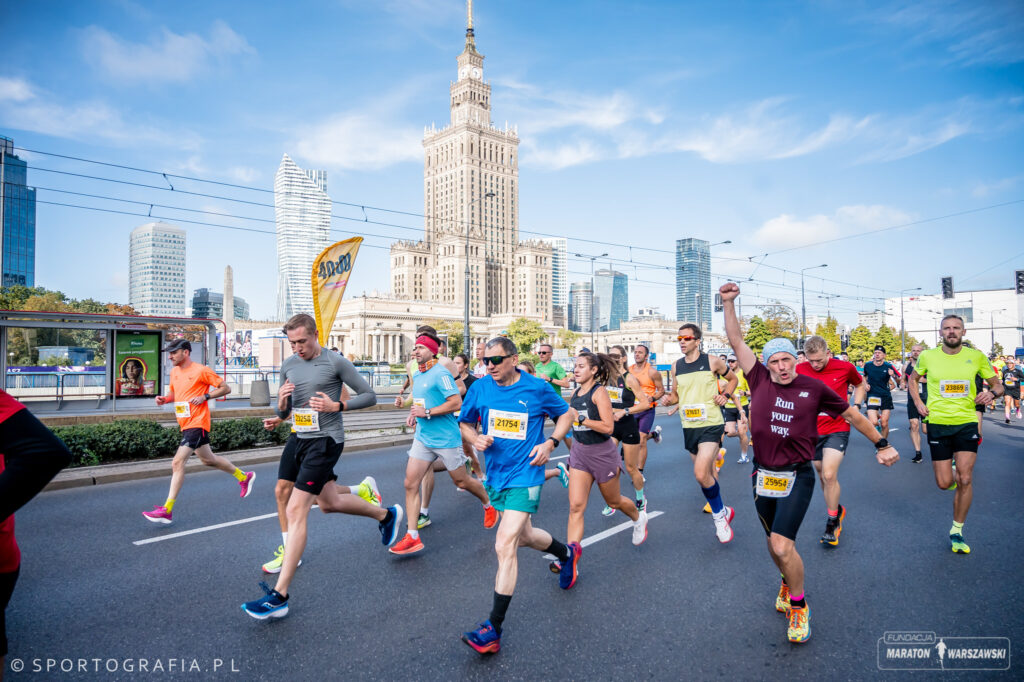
(792, 412)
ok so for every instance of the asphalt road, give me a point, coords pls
(679, 606)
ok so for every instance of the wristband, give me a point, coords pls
(881, 444)
(553, 440)
(207, 396)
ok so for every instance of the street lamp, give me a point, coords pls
(992, 326)
(828, 302)
(803, 305)
(903, 335)
(593, 312)
(465, 332)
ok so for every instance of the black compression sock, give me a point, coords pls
(560, 551)
(797, 603)
(501, 602)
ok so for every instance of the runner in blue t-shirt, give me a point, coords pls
(878, 372)
(511, 406)
(435, 400)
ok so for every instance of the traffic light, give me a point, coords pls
(1019, 281)
(719, 307)
(947, 287)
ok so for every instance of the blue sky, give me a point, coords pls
(771, 124)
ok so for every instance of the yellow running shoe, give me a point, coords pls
(707, 507)
(799, 624)
(720, 461)
(274, 565)
(782, 601)
(367, 490)
(959, 546)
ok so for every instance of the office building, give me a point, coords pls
(18, 222)
(207, 303)
(302, 211)
(156, 270)
(693, 282)
(580, 307)
(611, 291)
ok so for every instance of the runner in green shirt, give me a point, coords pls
(952, 420)
(553, 373)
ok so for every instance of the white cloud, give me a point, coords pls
(168, 57)
(243, 174)
(986, 189)
(563, 155)
(359, 141)
(788, 231)
(25, 107)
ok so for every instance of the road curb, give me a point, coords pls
(81, 477)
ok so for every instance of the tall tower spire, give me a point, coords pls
(470, 42)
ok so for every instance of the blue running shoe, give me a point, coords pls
(484, 640)
(563, 474)
(270, 605)
(389, 529)
(568, 574)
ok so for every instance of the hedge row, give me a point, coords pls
(135, 439)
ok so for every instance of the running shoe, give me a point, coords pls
(246, 485)
(484, 640)
(569, 571)
(1018, 413)
(555, 566)
(407, 545)
(423, 521)
(158, 515)
(607, 511)
(274, 565)
(641, 505)
(389, 530)
(270, 605)
(563, 474)
(743, 459)
(917, 458)
(831, 534)
(656, 434)
(799, 624)
(640, 529)
(707, 508)
(1007, 420)
(959, 546)
(490, 516)
(720, 460)
(369, 491)
(782, 601)
(722, 528)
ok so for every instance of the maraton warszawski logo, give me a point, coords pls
(911, 650)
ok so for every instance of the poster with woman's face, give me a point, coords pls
(137, 356)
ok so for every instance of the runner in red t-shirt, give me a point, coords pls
(31, 457)
(783, 420)
(833, 432)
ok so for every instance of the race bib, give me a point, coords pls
(582, 414)
(1010, 381)
(874, 401)
(615, 393)
(507, 425)
(420, 401)
(955, 389)
(306, 420)
(183, 410)
(774, 483)
(694, 413)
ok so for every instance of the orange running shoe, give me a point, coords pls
(490, 516)
(407, 545)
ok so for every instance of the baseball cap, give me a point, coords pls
(880, 347)
(178, 344)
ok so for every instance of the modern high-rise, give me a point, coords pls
(471, 209)
(559, 281)
(693, 282)
(611, 290)
(207, 303)
(302, 211)
(580, 307)
(156, 270)
(18, 222)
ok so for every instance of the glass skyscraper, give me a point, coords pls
(302, 211)
(612, 299)
(580, 310)
(559, 282)
(156, 270)
(693, 282)
(206, 303)
(18, 204)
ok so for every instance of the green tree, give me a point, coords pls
(861, 343)
(909, 341)
(997, 348)
(830, 332)
(453, 331)
(566, 338)
(758, 335)
(525, 334)
(886, 337)
(781, 321)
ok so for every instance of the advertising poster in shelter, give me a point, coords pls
(136, 364)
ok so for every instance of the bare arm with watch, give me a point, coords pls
(541, 453)
(218, 392)
(640, 401)
(884, 453)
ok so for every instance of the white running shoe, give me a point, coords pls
(656, 434)
(640, 529)
(743, 459)
(722, 527)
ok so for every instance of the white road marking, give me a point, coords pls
(551, 459)
(207, 528)
(628, 525)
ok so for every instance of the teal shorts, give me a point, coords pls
(515, 499)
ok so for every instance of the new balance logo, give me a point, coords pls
(803, 394)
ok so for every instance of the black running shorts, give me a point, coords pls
(944, 440)
(316, 459)
(702, 434)
(288, 468)
(7, 581)
(885, 400)
(194, 438)
(835, 441)
(627, 431)
(783, 515)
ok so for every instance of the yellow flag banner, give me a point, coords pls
(331, 271)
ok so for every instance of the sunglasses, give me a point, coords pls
(685, 338)
(732, 361)
(494, 360)
(543, 352)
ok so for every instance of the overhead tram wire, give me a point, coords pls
(365, 207)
